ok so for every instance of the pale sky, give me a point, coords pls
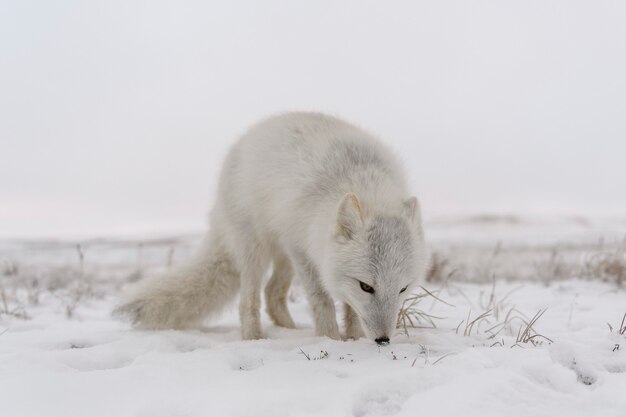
(115, 115)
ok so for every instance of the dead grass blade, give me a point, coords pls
(527, 333)
(436, 298)
(443, 357)
(470, 324)
(410, 316)
(621, 329)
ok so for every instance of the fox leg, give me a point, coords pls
(352, 323)
(322, 305)
(276, 292)
(253, 264)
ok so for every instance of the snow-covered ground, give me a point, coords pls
(61, 353)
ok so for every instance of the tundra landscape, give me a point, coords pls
(116, 119)
(515, 310)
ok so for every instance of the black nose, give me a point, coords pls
(382, 340)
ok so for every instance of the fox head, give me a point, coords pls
(375, 261)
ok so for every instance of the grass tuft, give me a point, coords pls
(411, 316)
(323, 355)
(621, 329)
(6, 309)
(527, 333)
(608, 265)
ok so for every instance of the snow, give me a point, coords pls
(89, 364)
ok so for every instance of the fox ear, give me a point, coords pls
(414, 213)
(349, 216)
(412, 209)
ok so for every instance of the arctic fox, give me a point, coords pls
(311, 195)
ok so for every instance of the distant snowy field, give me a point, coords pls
(61, 353)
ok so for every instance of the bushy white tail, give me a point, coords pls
(186, 295)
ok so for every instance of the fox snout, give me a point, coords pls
(379, 324)
(382, 341)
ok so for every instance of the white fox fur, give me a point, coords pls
(310, 195)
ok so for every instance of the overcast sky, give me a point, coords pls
(115, 115)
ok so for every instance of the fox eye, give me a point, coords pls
(366, 287)
(403, 289)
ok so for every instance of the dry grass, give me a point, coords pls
(411, 316)
(608, 265)
(10, 269)
(74, 296)
(440, 270)
(502, 311)
(527, 333)
(501, 316)
(601, 260)
(426, 353)
(92, 269)
(13, 309)
(470, 323)
(80, 279)
(621, 329)
(555, 268)
(497, 316)
(323, 355)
